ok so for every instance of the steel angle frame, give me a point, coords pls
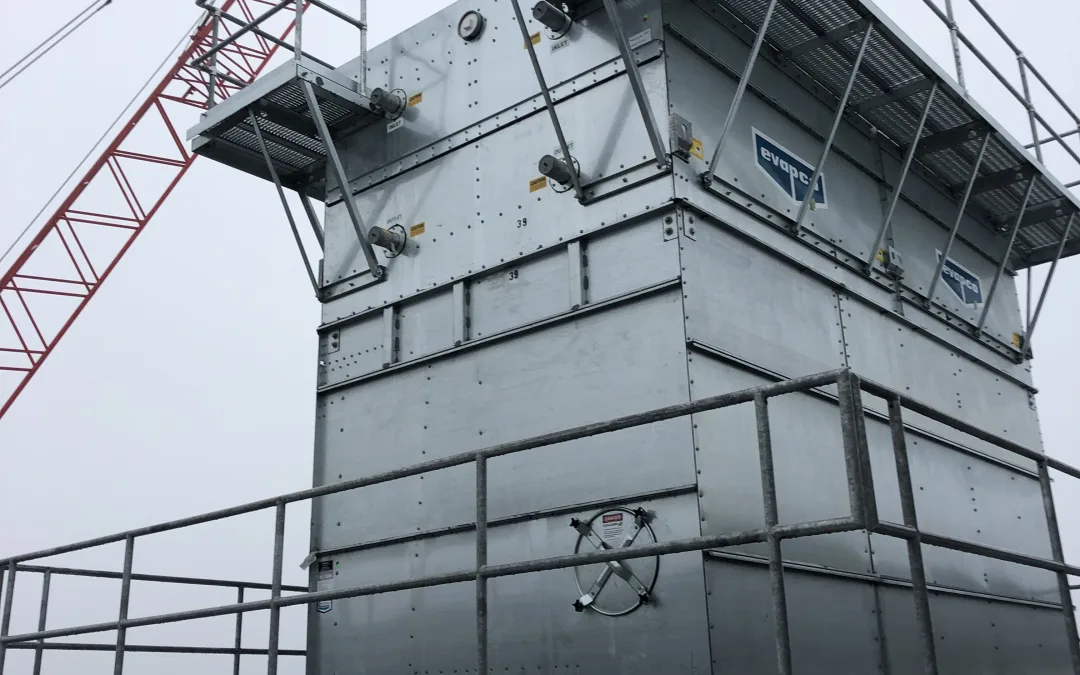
(899, 189)
(804, 207)
(285, 203)
(976, 165)
(862, 516)
(1005, 256)
(575, 177)
(740, 92)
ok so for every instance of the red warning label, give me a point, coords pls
(613, 518)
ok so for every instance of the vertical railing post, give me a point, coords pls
(481, 562)
(849, 434)
(5, 618)
(914, 545)
(298, 31)
(954, 37)
(238, 640)
(841, 105)
(1058, 552)
(43, 612)
(740, 91)
(216, 14)
(1021, 61)
(772, 519)
(362, 82)
(275, 589)
(125, 599)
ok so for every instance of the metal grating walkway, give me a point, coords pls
(822, 38)
(287, 125)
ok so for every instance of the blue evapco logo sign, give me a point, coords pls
(790, 172)
(965, 284)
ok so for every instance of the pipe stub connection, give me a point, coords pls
(392, 240)
(555, 169)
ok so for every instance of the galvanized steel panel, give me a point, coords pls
(832, 621)
(628, 258)
(533, 624)
(744, 301)
(425, 325)
(464, 82)
(808, 454)
(520, 294)
(351, 350)
(619, 361)
(962, 495)
(892, 354)
(976, 635)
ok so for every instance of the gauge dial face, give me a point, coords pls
(470, 25)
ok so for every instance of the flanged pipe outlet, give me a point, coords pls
(391, 240)
(555, 169)
(387, 101)
(551, 16)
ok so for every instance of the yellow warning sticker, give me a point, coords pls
(1017, 340)
(538, 184)
(416, 230)
(881, 256)
(416, 99)
(534, 38)
(697, 151)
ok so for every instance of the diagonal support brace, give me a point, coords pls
(840, 107)
(334, 165)
(635, 83)
(575, 177)
(1005, 257)
(740, 91)
(899, 189)
(284, 202)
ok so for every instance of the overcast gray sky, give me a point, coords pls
(188, 383)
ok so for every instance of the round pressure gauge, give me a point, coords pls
(470, 26)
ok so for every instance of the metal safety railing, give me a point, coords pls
(207, 60)
(863, 515)
(958, 37)
(48, 572)
(1035, 120)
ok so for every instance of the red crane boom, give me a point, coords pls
(61, 269)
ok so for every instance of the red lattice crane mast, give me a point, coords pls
(62, 267)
